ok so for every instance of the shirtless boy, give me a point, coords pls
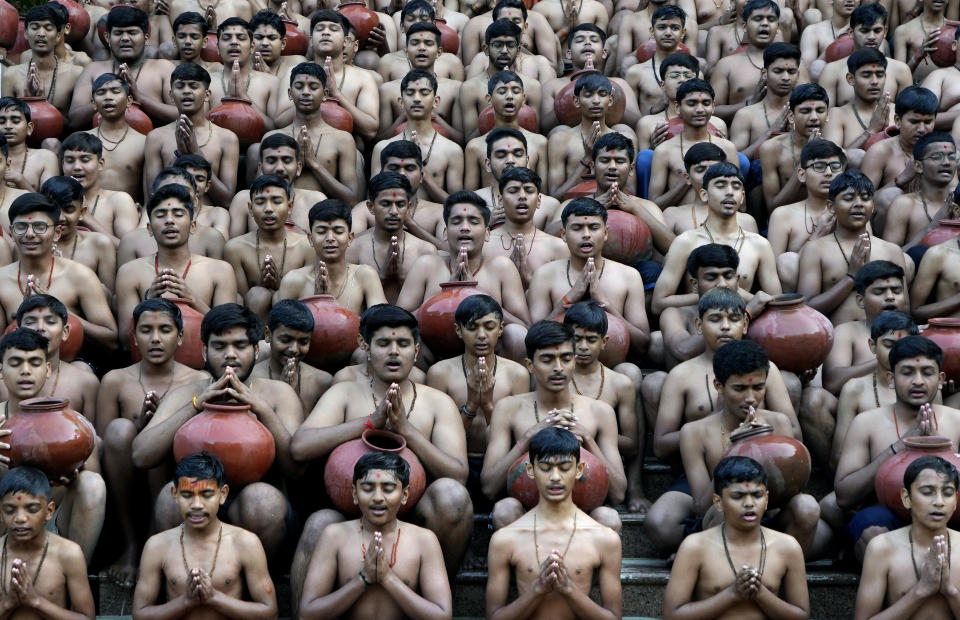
(123, 154)
(189, 36)
(27, 168)
(269, 40)
(941, 83)
(668, 29)
(702, 585)
(395, 64)
(914, 39)
(211, 217)
(200, 491)
(868, 112)
(554, 584)
(754, 124)
(934, 290)
(508, 147)
(817, 37)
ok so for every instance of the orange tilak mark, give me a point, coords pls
(192, 484)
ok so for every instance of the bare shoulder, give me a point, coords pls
(419, 246)
(514, 369)
(621, 270)
(65, 549)
(80, 271)
(778, 542)
(241, 538)
(437, 397)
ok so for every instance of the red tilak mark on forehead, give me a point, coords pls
(169, 204)
(393, 195)
(267, 191)
(378, 476)
(916, 361)
(19, 498)
(464, 209)
(29, 218)
(393, 333)
(750, 381)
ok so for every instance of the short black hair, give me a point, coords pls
(291, 313)
(225, 316)
(278, 140)
(476, 306)
(585, 207)
(193, 160)
(262, 182)
(32, 202)
(679, 59)
(83, 142)
(553, 441)
(404, 149)
(739, 357)
(173, 172)
(668, 11)
(200, 466)
(307, 68)
(734, 469)
(385, 461)
(385, 180)
(703, 151)
(850, 179)
(756, 5)
(721, 170)
(588, 27)
(916, 99)
(892, 320)
(779, 50)
(190, 72)
(931, 138)
(266, 17)
(915, 346)
(416, 6)
(592, 82)
(868, 15)
(327, 15)
(503, 77)
(126, 16)
(25, 479)
(586, 315)
(499, 133)
(415, 75)
(938, 464)
(521, 174)
(191, 18)
(865, 56)
(18, 105)
(159, 304)
(386, 315)
(173, 191)
(509, 4)
(821, 149)
(720, 298)
(234, 21)
(23, 339)
(613, 141)
(62, 190)
(502, 28)
(808, 92)
(546, 334)
(33, 302)
(44, 13)
(466, 197)
(430, 27)
(712, 255)
(873, 271)
(695, 85)
(330, 210)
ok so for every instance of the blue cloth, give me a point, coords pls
(645, 159)
(869, 517)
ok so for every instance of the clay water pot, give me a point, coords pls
(228, 431)
(9, 21)
(211, 51)
(47, 120)
(402, 126)
(336, 115)
(449, 39)
(48, 435)
(297, 42)
(627, 237)
(569, 114)
(649, 47)
(362, 18)
(71, 347)
(20, 45)
(945, 231)
(944, 56)
(840, 48)
(134, 116)
(335, 331)
(786, 460)
(238, 115)
(889, 478)
(436, 318)
(527, 119)
(889, 132)
(338, 472)
(190, 351)
(618, 343)
(529, 3)
(583, 189)
(675, 126)
(946, 333)
(795, 336)
(589, 490)
(79, 21)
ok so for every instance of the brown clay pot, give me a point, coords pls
(362, 18)
(627, 237)
(618, 343)
(238, 115)
(786, 460)
(190, 351)
(589, 490)
(335, 331)
(135, 117)
(211, 51)
(436, 318)
(20, 45)
(584, 189)
(79, 21)
(527, 119)
(73, 344)
(649, 47)
(889, 478)
(889, 132)
(48, 435)
(338, 472)
(840, 48)
(228, 431)
(47, 120)
(944, 56)
(297, 42)
(946, 333)
(449, 39)
(569, 114)
(795, 336)
(675, 126)
(9, 21)
(945, 231)
(336, 115)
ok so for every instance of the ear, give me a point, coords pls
(718, 386)
(353, 492)
(890, 379)
(850, 78)
(65, 333)
(918, 166)
(801, 175)
(370, 207)
(528, 466)
(224, 492)
(580, 466)
(905, 494)
(859, 300)
(698, 324)
(873, 345)
(529, 364)
(603, 342)
(703, 194)
(717, 503)
(51, 510)
(266, 334)
(405, 495)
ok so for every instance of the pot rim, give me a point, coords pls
(927, 442)
(946, 223)
(751, 431)
(245, 100)
(944, 322)
(44, 403)
(458, 284)
(378, 432)
(786, 300)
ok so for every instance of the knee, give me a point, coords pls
(818, 404)
(119, 434)
(261, 504)
(90, 488)
(449, 500)
(505, 512)
(604, 515)
(794, 387)
(855, 158)
(316, 523)
(787, 268)
(631, 370)
(804, 510)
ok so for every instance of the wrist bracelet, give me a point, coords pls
(364, 579)
(195, 405)
(749, 316)
(892, 449)
(465, 412)
(566, 302)
(146, 294)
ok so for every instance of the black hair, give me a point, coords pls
(739, 357)
(808, 92)
(200, 466)
(938, 464)
(868, 15)
(613, 141)
(712, 255)
(821, 149)
(502, 28)
(32, 202)
(546, 334)
(848, 179)
(234, 21)
(43, 300)
(720, 298)
(703, 151)
(193, 160)
(734, 469)
(385, 461)
(264, 181)
(330, 210)
(126, 16)
(503, 77)
(83, 142)
(873, 271)
(430, 27)
(509, 4)
(892, 320)
(466, 197)
(291, 313)
(865, 56)
(779, 50)
(17, 105)
(106, 78)
(915, 346)
(586, 315)
(419, 74)
(931, 138)
(695, 85)
(721, 170)
(191, 18)
(3, 147)
(190, 72)
(25, 479)
(499, 133)
(386, 315)
(679, 59)
(62, 190)
(221, 318)
(521, 174)
(23, 339)
(416, 6)
(266, 17)
(278, 140)
(307, 68)
(173, 191)
(173, 172)
(476, 306)
(588, 27)
(327, 15)
(44, 13)
(755, 5)
(916, 99)
(551, 442)
(159, 304)
(388, 179)
(583, 206)
(403, 149)
(61, 11)
(592, 82)
(668, 11)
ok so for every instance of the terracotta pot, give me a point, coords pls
(675, 126)
(47, 120)
(649, 47)
(889, 132)
(589, 490)
(618, 343)
(569, 114)
(190, 351)
(336, 115)
(840, 48)
(889, 478)
(529, 3)
(946, 231)
(79, 21)
(297, 42)
(402, 126)
(211, 51)
(338, 472)
(449, 39)
(527, 119)
(70, 348)
(20, 45)
(627, 237)
(786, 460)
(135, 117)
(944, 56)
(48, 435)
(335, 331)
(238, 116)
(583, 189)
(946, 333)
(362, 18)
(436, 318)
(9, 22)
(244, 445)
(795, 336)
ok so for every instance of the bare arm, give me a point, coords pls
(437, 600)
(856, 471)
(258, 582)
(149, 582)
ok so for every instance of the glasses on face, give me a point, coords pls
(20, 228)
(681, 75)
(939, 157)
(499, 45)
(821, 166)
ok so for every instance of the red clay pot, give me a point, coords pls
(335, 331)
(840, 48)
(297, 42)
(569, 114)
(889, 478)
(618, 343)
(649, 47)
(20, 44)
(889, 132)
(73, 344)
(79, 21)
(947, 230)
(48, 435)
(449, 39)
(135, 117)
(402, 126)
(338, 472)
(589, 490)
(795, 336)
(786, 460)
(627, 237)
(47, 120)
(244, 445)
(527, 119)
(946, 333)
(944, 56)
(336, 115)
(436, 318)
(9, 22)
(238, 116)
(211, 51)
(675, 126)
(190, 351)
(362, 18)
(584, 189)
